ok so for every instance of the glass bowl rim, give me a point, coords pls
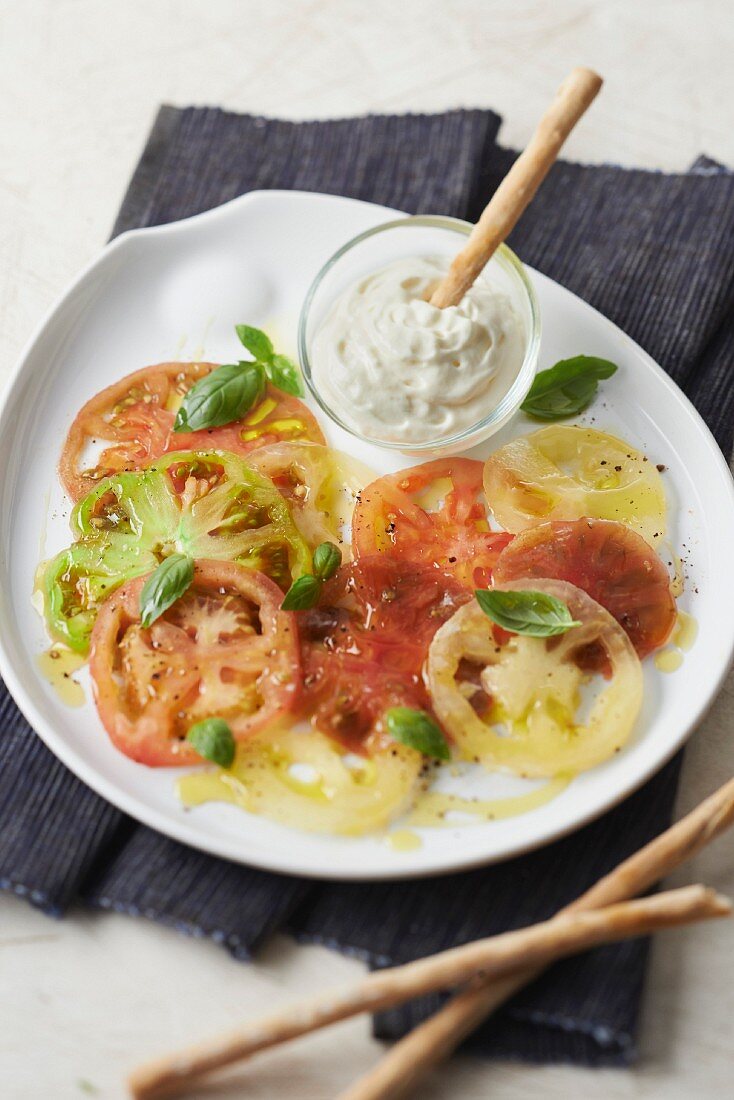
(517, 392)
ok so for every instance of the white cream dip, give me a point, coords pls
(397, 369)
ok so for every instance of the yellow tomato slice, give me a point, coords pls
(564, 473)
(302, 779)
(320, 485)
(523, 704)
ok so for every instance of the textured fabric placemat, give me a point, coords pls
(655, 253)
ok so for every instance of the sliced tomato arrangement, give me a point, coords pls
(515, 702)
(134, 418)
(364, 645)
(611, 562)
(225, 650)
(433, 514)
(398, 625)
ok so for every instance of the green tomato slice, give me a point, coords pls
(204, 504)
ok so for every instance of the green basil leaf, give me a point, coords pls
(284, 375)
(221, 397)
(566, 388)
(256, 341)
(213, 740)
(535, 614)
(417, 730)
(303, 593)
(326, 560)
(162, 588)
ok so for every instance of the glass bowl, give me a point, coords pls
(424, 235)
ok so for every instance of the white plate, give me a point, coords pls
(175, 292)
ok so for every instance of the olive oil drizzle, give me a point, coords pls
(431, 810)
(670, 658)
(403, 840)
(57, 665)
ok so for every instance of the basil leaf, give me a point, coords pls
(213, 740)
(303, 593)
(535, 614)
(326, 560)
(256, 342)
(566, 388)
(417, 730)
(284, 375)
(170, 580)
(221, 397)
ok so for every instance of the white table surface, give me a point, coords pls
(80, 82)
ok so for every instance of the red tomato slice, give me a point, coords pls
(384, 610)
(609, 561)
(364, 645)
(347, 697)
(135, 417)
(435, 514)
(224, 649)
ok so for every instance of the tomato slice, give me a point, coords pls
(434, 514)
(346, 698)
(321, 486)
(225, 650)
(383, 610)
(204, 504)
(518, 703)
(609, 561)
(135, 417)
(307, 781)
(568, 472)
(364, 645)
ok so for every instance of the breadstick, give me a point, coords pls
(519, 185)
(410, 1059)
(494, 957)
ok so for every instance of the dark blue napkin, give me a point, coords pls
(656, 254)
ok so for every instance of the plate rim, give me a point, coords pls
(222, 846)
